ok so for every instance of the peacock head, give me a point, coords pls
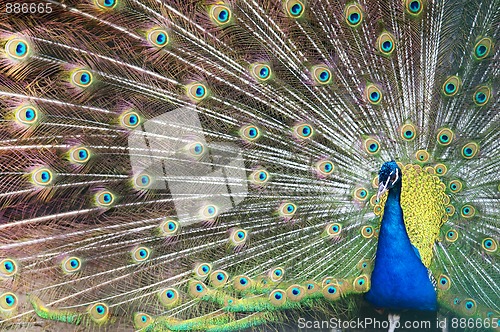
(388, 177)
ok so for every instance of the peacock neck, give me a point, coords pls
(393, 235)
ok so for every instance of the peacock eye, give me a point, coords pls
(209, 212)
(142, 320)
(99, 312)
(42, 177)
(482, 48)
(106, 4)
(8, 268)
(414, 7)
(467, 211)
(130, 119)
(8, 302)
(322, 74)
(104, 198)
(294, 8)
(353, 15)
(81, 78)
(71, 264)
(158, 37)
(221, 14)
(250, 133)
(17, 48)
(287, 210)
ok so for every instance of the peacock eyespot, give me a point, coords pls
(303, 131)
(250, 133)
(169, 297)
(408, 132)
(81, 78)
(361, 194)
(169, 227)
(445, 136)
(444, 282)
(414, 7)
(295, 293)
(220, 14)
(71, 264)
(276, 274)
(294, 8)
(440, 169)
(142, 181)
(483, 48)
(202, 270)
(27, 115)
(450, 210)
(469, 306)
(209, 211)
(467, 211)
(79, 155)
(196, 149)
(482, 95)
(367, 232)
(373, 94)
(422, 156)
(455, 186)
(8, 268)
(197, 92)
(106, 4)
(158, 38)
(99, 312)
(8, 302)
(361, 283)
(17, 48)
(470, 150)
(259, 177)
(451, 86)
(324, 167)
(451, 235)
(104, 198)
(42, 177)
(372, 146)
(287, 210)
(242, 282)
(218, 278)
(353, 15)
(322, 74)
(130, 119)
(333, 230)
(489, 244)
(140, 254)
(238, 237)
(142, 320)
(277, 297)
(261, 71)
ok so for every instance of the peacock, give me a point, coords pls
(207, 165)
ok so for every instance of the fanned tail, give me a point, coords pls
(186, 165)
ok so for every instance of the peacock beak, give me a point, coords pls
(382, 188)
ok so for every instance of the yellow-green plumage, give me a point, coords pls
(191, 165)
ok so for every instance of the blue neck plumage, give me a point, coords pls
(399, 279)
(393, 235)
